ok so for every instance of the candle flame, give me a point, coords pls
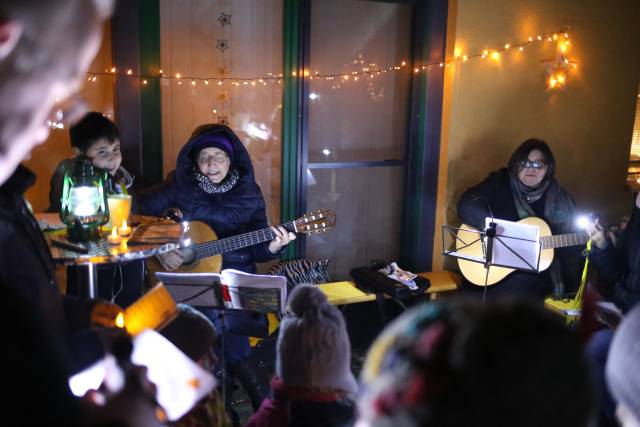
(120, 320)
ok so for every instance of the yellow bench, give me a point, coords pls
(345, 292)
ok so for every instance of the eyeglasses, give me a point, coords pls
(218, 158)
(67, 112)
(532, 164)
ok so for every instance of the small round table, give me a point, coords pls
(102, 252)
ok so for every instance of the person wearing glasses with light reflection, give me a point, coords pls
(214, 182)
(526, 187)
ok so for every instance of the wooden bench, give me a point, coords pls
(345, 292)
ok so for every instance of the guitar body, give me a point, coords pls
(207, 249)
(475, 271)
(198, 232)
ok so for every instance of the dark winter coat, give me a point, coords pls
(27, 266)
(494, 197)
(239, 210)
(620, 266)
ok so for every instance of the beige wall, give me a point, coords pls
(44, 158)
(490, 107)
(188, 34)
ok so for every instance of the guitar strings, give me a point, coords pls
(236, 242)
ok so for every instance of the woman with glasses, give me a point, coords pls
(214, 183)
(526, 187)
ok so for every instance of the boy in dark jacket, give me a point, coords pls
(97, 137)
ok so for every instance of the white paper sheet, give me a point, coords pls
(515, 238)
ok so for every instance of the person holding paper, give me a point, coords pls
(45, 50)
(214, 183)
(526, 187)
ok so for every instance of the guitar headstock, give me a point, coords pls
(317, 221)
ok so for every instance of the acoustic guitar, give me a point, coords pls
(475, 272)
(207, 249)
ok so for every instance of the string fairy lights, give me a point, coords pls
(557, 68)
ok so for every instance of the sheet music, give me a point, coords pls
(230, 289)
(515, 238)
(196, 289)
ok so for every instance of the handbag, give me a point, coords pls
(370, 280)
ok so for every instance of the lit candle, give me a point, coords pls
(113, 238)
(125, 230)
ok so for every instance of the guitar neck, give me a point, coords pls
(563, 240)
(229, 244)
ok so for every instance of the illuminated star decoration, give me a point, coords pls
(224, 19)
(559, 67)
(222, 44)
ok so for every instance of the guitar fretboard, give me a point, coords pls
(563, 240)
(229, 244)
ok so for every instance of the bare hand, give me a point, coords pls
(597, 234)
(135, 405)
(104, 314)
(171, 261)
(638, 201)
(282, 239)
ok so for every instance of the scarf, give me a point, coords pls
(559, 209)
(211, 188)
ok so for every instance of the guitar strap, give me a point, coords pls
(585, 270)
(570, 308)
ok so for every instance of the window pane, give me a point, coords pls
(365, 119)
(367, 221)
(240, 38)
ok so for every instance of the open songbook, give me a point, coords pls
(230, 289)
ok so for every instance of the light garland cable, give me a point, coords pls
(562, 66)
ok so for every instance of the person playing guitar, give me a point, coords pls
(214, 183)
(526, 188)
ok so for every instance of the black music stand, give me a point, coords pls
(206, 290)
(503, 244)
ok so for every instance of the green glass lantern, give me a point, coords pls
(84, 201)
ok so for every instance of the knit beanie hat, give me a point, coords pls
(623, 363)
(313, 347)
(191, 331)
(208, 140)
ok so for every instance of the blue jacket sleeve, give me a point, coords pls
(153, 201)
(261, 253)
